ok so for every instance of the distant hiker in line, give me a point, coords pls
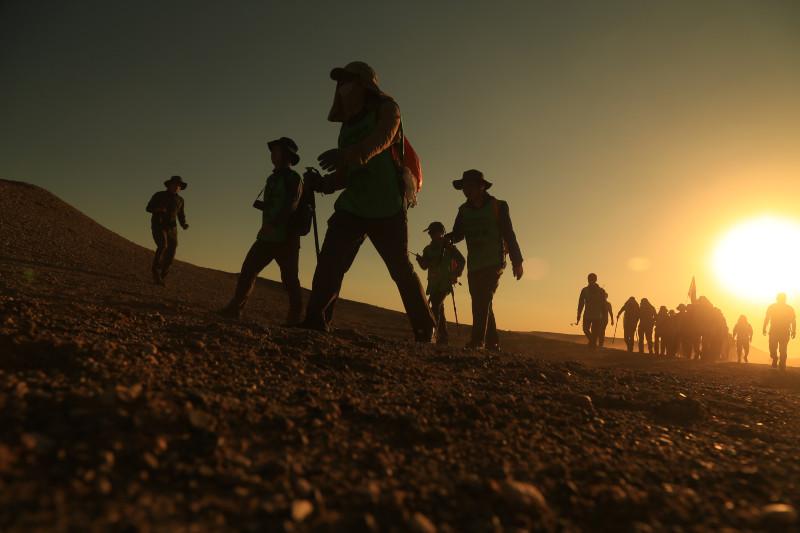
(783, 325)
(444, 264)
(592, 303)
(372, 203)
(647, 319)
(485, 223)
(167, 210)
(276, 240)
(660, 340)
(743, 336)
(631, 310)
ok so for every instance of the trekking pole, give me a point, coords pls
(314, 222)
(455, 311)
(613, 340)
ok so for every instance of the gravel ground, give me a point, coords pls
(130, 407)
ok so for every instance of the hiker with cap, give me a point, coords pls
(276, 240)
(167, 210)
(782, 325)
(372, 200)
(444, 264)
(592, 303)
(485, 223)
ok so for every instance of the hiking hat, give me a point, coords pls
(471, 175)
(289, 145)
(359, 72)
(434, 226)
(178, 180)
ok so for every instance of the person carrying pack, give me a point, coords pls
(444, 264)
(373, 202)
(284, 219)
(485, 223)
(592, 303)
(743, 335)
(631, 310)
(167, 209)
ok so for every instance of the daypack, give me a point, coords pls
(410, 167)
(300, 220)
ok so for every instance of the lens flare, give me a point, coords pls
(759, 258)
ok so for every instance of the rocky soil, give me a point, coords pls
(130, 407)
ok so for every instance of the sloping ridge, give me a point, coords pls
(38, 230)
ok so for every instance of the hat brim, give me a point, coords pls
(295, 157)
(459, 184)
(181, 184)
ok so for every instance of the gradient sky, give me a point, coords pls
(626, 136)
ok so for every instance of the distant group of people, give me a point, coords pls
(368, 168)
(697, 330)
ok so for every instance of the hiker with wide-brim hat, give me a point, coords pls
(167, 210)
(276, 240)
(485, 223)
(371, 203)
(444, 264)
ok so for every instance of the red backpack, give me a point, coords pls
(410, 167)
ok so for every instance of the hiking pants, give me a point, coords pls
(344, 237)
(594, 331)
(437, 308)
(261, 254)
(778, 343)
(166, 240)
(629, 329)
(482, 286)
(645, 332)
(742, 348)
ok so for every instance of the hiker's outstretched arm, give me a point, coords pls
(381, 137)
(457, 235)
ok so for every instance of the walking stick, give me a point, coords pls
(455, 311)
(613, 340)
(314, 222)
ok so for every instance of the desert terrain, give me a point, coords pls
(130, 407)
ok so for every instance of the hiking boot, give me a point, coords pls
(471, 345)
(313, 325)
(157, 279)
(495, 348)
(441, 341)
(425, 336)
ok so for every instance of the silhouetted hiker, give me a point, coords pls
(660, 340)
(743, 335)
(608, 314)
(485, 223)
(631, 310)
(781, 319)
(444, 264)
(690, 332)
(372, 203)
(167, 210)
(672, 334)
(277, 239)
(647, 319)
(592, 303)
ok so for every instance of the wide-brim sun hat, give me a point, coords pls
(471, 175)
(178, 180)
(287, 144)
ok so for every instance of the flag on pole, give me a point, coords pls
(693, 291)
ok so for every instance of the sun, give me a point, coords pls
(759, 258)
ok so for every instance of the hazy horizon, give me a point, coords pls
(628, 138)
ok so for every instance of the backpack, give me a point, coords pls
(300, 220)
(408, 162)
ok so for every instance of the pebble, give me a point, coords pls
(301, 509)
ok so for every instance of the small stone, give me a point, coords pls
(523, 495)
(421, 524)
(778, 514)
(301, 509)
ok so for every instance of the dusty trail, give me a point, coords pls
(126, 406)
